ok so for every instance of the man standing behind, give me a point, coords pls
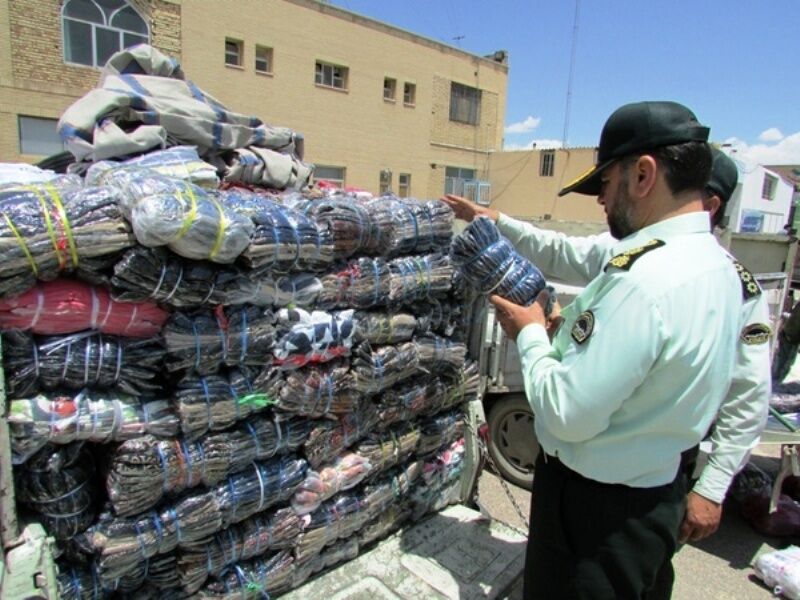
(638, 369)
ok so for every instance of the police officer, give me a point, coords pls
(639, 367)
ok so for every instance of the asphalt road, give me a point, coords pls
(718, 567)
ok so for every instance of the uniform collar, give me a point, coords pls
(694, 222)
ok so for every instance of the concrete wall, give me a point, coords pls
(747, 198)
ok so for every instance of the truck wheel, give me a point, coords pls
(513, 446)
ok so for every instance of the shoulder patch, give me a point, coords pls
(626, 259)
(750, 287)
(583, 327)
(757, 333)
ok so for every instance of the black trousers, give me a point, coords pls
(596, 540)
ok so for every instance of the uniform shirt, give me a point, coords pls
(743, 412)
(643, 359)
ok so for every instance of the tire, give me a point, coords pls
(513, 446)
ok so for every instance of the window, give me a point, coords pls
(386, 182)
(333, 175)
(454, 178)
(333, 76)
(39, 136)
(263, 59)
(465, 104)
(404, 185)
(547, 163)
(389, 87)
(768, 188)
(752, 221)
(409, 94)
(233, 53)
(96, 29)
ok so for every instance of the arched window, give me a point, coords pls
(96, 29)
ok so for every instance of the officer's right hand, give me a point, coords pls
(467, 210)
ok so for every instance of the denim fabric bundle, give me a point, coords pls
(415, 227)
(350, 224)
(253, 537)
(490, 264)
(215, 402)
(143, 470)
(362, 283)
(419, 278)
(80, 360)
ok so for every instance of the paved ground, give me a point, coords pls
(717, 568)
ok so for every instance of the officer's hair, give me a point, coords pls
(687, 166)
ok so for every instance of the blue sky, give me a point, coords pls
(736, 63)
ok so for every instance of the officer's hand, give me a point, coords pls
(554, 320)
(701, 520)
(466, 210)
(513, 317)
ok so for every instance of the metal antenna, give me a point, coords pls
(568, 106)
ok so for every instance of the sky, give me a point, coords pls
(735, 63)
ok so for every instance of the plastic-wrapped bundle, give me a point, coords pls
(169, 212)
(68, 306)
(337, 518)
(416, 278)
(218, 401)
(319, 390)
(312, 337)
(81, 582)
(441, 317)
(439, 485)
(251, 538)
(408, 400)
(91, 415)
(255, 579)
(780, 571)
(157, 274)
(388, 489)
(351, 226)
(204, 341)
(57, 485)
(56, 227)
(386, 449)
(144, 469)
(120, 543)
(439, 430)
(80, 360)
(416, 227)
(179, 162)
(328, 438)
(389, 520)
(347, 471)
(378, 369)
(362, 283)
(261, 289)
(377, 327)
(332, 555)
(463, 387)
(491, 265)
(284, 240)
(264, 167)
(436, 353)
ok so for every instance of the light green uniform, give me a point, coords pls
(657, 356)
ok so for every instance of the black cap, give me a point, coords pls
(638, 127)
(724, 175)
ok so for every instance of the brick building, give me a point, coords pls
(381, 108)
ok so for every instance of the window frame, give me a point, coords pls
(106, 25)
(465, 99)
(343, 75)
(451, 182)
(339, 182)
(768, 187)
(239, 53)
(547, 163)
(268, 50)
(404, 188)
(392, 89)
(412, 88)
(26, 151)
(384, 182)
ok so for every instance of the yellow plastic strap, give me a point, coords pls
(223, 223)
(192, 214)
(49, 223)
(22, 245)
(62, 214)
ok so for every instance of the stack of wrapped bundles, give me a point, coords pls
(214, 389)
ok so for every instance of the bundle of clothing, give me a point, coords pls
(178, 162)
(329, 438)
(254, 579)
(345, 472)
(319, 390)
(315, 337)
(56, 227)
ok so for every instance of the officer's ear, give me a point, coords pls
(713, 205)
(645, 174)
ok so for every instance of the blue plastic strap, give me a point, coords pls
(376, 297)
(244, 334)
(164, 469)
(232, 541)
(234, 498)
(235, 397)
(174, 515)
(224, 339)
(142, 547)
(207, 397)
(252, 431)
(201, 451)
(196, 347)
(188, 460)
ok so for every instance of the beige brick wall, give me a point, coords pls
(482, 137)
(519, 190)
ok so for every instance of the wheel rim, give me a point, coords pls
(517, 441)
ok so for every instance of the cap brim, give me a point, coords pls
(589, 182)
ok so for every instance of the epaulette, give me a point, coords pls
(626, 259)
(750, 287)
